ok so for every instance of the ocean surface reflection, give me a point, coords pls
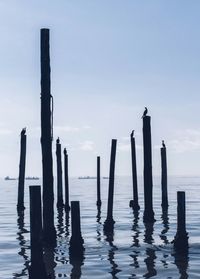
(134, 250)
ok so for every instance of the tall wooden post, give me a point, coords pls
(98, 182)
(164, 176)
(76, 241)
(37, 268)
(22, 164)
(59, 175)
(148, 180)
(67, 207)
(181, 238)
(134, 203)
(46, 140)
(109, 222)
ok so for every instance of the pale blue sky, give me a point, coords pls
(109, 59)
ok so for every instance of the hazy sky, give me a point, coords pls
(109, 60)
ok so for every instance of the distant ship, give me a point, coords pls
(86, 177)
(9, 178)
(105, 177)
(32, 178)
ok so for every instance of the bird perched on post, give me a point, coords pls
(23, 132)
(58, 140)
(132, 133)
(145, 112)
(163, 144)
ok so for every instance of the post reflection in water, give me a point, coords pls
(181, 261)
(150, 252)
(136, 244)
(22, 244)
(165, 221)
(98, 223)
(111, 255)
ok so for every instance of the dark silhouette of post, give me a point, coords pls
(134, 203)
(67, 207)
(59, 175)
(22, 164)
(109, 222)
(148, 180)
(37, 268)
(76, 248)
(46, 141)
(98, 182)
(164, 176)
(181, 238)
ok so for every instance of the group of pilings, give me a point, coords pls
(42, 227)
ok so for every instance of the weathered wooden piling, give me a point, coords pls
(98, 182)
(148, 180)
(67, 207)
(109, 222)
(134, 203)
(76, 248)
(22, 164)
(37, 268)
(164, 176)
(59, 175)
(46, 140)
(181, 237)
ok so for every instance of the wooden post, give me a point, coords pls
(37, 268)
(22, 164)
(134, 203)
(59, 175)
(109, 222)
(67, 207)
(46, 141)
(148, 180)
(76, 241)
(98, 182)
(164, 176)
(181, 238)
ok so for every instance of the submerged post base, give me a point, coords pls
(109, 225)
(98, 203)
(134, 205)
(181, 241)
(148, 217)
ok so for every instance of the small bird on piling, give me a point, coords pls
(23, 132)
(65, 151)
(58, 140)
(163, 144)
(132, 133)
(145, 112)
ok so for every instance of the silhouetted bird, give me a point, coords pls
(58, 140)
(163, 144)
(132, 133)
(23, 132)
(145, 112)
(65, 151)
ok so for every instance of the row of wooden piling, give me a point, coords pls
(42, 210)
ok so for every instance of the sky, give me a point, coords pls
(109, 59)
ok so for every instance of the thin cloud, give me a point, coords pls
(87, 145)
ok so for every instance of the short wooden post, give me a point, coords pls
(164, 176)
(46, 141)
(37, 268)
(181, 238)
(98, 182)
(76, 241)
(148, 180)
(109, 222)
(22, 164)
(134, 203)
(59, 175)
(67, 207)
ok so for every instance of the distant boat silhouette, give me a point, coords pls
(10, 178)
(32, 178)
(87, 177)
(105, 177)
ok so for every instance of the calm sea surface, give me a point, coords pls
(135, 252)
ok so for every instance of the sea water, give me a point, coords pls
(135, 251)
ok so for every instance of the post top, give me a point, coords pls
(65, 151)
(58, 140)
